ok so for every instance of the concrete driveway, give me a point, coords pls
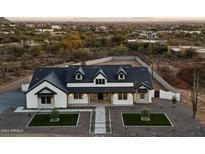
(12, 99)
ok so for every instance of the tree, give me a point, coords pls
(194, 92)
(189, 53)
(119, 50)
(145, 114)
(2, 69)
(54, 115)
(35, 50)
(54, 47)
(16, 50)
(133, 46)
(81, 54)
(73, 42)
(118, 39)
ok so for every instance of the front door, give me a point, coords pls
(156, 94)
(100, 96)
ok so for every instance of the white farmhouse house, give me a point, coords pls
(89, 84)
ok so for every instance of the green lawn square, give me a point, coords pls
(44, 120)
(133, 119)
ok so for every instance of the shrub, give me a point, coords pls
(54, 114)
(174, 99)
(145, 112)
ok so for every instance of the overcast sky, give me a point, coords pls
(102, 8)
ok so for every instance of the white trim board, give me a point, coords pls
(22, 110)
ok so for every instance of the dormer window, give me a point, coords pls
(121, 76)
(99, 81)
(78, 76)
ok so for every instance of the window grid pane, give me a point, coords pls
(48, 100)
(125, 96)
(119, 96)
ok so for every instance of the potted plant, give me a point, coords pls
(54, 115)
(145, 114)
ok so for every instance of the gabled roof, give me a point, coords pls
(109, 71)
(60, 76)
(142, 77)
(80, 70)
(49, 75)
(120, 69)
(47, 89)
(100, 71)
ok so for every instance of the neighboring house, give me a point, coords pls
(148, 35)
(89, 84)
(147, 41)
(56, 27)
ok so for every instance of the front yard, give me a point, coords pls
(64, 120)
(156, 119)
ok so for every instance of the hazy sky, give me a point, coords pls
(102, 8)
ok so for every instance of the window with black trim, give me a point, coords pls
(99, 81)
(45, 100)
(121, 76)
(142, 95)
(122, 96)
(78, 76)
(78, 96)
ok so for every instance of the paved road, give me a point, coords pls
(12, 99)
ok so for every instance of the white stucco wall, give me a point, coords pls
(60, 98)
(129, 100)
(71, 99)
(24, 87)
(168, 95)
(147, 99)
(150, 95)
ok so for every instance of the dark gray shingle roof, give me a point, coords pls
(60, 76)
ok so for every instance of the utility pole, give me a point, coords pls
(194, 91)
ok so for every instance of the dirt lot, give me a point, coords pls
(180, 75)
(133, 63)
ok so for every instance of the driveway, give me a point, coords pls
(12, 99)
(181, 118)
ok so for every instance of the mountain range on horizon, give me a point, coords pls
(105, 19)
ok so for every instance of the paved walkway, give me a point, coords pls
(100, 122)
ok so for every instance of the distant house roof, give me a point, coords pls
(60, 76)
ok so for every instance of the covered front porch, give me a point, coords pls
(101, 98)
